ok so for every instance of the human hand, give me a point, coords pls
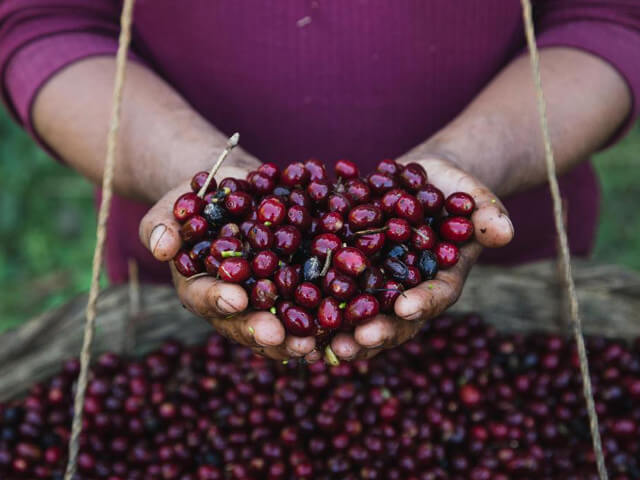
(492, 227)
(223, 305)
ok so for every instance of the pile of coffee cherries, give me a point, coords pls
(460, 401)
(322, 255)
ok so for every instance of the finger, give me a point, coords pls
(210, 297)
(259, 329)
(344, 346)
(313, 356)
(368, 353)
(432, 297)
(299, 346)
(493, 227)
(159, 231)
(376, 332)
(274, 353)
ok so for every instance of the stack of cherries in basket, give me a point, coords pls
(322, 254)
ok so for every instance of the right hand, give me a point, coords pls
(224, 305)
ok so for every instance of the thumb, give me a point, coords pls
(159, 231)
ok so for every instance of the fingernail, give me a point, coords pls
(156, 236)
(224, 306)
(509, 223)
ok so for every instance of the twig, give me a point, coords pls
(232, 142)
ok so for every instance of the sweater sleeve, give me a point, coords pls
(40, 37)
(607, 29)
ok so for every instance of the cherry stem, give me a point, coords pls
(372, 230)
(232, 142)
(327, 263)
(419, 233)
(230, 253)
(330, 357)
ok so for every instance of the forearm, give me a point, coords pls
(497, 137)
(162, 139)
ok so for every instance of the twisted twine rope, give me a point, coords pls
(565, 257)
(103, 215)
(107, 189)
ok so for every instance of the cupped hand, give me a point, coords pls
(492, 227)
(223, 305)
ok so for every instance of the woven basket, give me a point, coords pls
(522, 299)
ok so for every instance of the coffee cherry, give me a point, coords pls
(234, 270)
(370, 243)
(307, 295)
(321, 244)
(186, 206)
(229, 230)
(260, 237)
(184, 264)
(264, 294)
(413, 176)
(225, 247)
(198, 181)
(311, 269)
(427, 264)
(194, 229)
(346, 169)
(298, 321)
(264, 264)
(331, 222)
(423, 238)
(339, 203)
(300, 198)
(365, 216)
(299, 217)
(286, 280)
(238, 203)
(271, 211)
(390, 199)
(398, 230)
(447, 254)
(230, 184)
(295, 174)
(361, 308)
(372, 280)
(460, 203)
(391, 290)
(287, 240)
(269, 170)
(316, 169)
(329, 314)
(200, 251)
(396, 269)
(260, 183)
(456, 229)
(431, 198)
(215, 214)
(413, 277)
(409, 208)
(341, 287)
(318, 192)
(388, 167)
(357, 191)
(380, 182)
(350, 261)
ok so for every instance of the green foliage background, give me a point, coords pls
(47, 222)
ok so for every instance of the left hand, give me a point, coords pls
(492, 227)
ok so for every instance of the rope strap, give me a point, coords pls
(103, 215)
(565, 256)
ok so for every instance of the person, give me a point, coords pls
(445, 84)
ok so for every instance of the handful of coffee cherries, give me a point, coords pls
(321, 254)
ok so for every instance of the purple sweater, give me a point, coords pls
(325, 78)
